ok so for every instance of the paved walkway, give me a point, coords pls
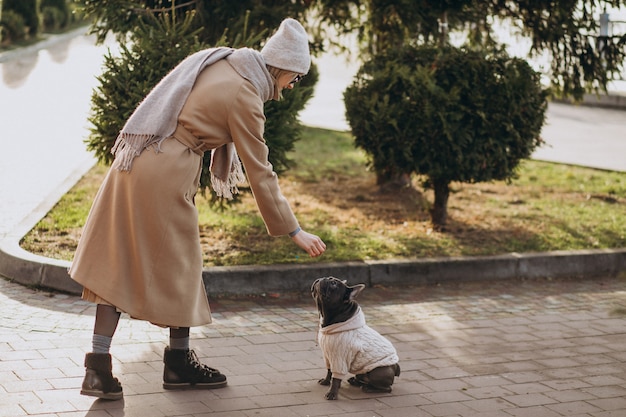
(536, 348)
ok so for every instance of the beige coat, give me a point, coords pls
(140, 247)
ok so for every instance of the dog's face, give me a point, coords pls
(335, 299)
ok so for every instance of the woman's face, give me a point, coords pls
(288, 80)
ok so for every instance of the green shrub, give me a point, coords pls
(56, 14)
(282, 128)
(447, 114)
(29, 10)
(13, 27)
(154, 49)
(156, 46)
(52, 18)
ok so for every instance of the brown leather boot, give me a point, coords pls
(99, 381)
(183, 370)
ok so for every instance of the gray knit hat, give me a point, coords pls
(288, 48)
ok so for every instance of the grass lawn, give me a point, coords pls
(548, 207)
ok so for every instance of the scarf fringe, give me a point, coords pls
(228, 187)
(130, 145)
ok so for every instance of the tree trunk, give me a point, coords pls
(443, 30)
(439, 212)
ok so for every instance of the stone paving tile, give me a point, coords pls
(536, 348)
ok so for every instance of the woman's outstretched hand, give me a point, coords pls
(310, 243)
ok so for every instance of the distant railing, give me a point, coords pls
(611, 28)
(618, 27)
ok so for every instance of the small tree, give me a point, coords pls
(163, 42)
(282, 127)
(565, 30)
(127, 79)
(447, 114)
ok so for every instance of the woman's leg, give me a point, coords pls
(107, 318)
(99, 381)
(179, 338)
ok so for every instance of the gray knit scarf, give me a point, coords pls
(156, 117)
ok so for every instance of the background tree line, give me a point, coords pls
(24, 20)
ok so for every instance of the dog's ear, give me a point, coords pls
(355, 290)
(313, 289)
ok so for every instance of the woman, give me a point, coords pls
(140, 249)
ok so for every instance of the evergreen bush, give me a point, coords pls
(447, 114)
(52, 18)
(29, 10)
(56, 14)
(153, 50)
(13, 27)
(282, 128)
(156, 46)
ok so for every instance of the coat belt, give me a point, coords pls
(188, 139)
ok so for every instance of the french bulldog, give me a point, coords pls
(348, 344)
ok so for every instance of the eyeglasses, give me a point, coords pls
(297, 79)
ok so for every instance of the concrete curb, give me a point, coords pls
(284, 278)
(28, 269)
(614, 101)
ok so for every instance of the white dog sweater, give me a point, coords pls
(354, 347)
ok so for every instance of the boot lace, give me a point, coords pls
(199, 367)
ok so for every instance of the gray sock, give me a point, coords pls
(101, 344)
(181, 343)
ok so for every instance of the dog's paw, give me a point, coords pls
(326, 379)
(333, 391)
(331, 395)
(355, 382)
